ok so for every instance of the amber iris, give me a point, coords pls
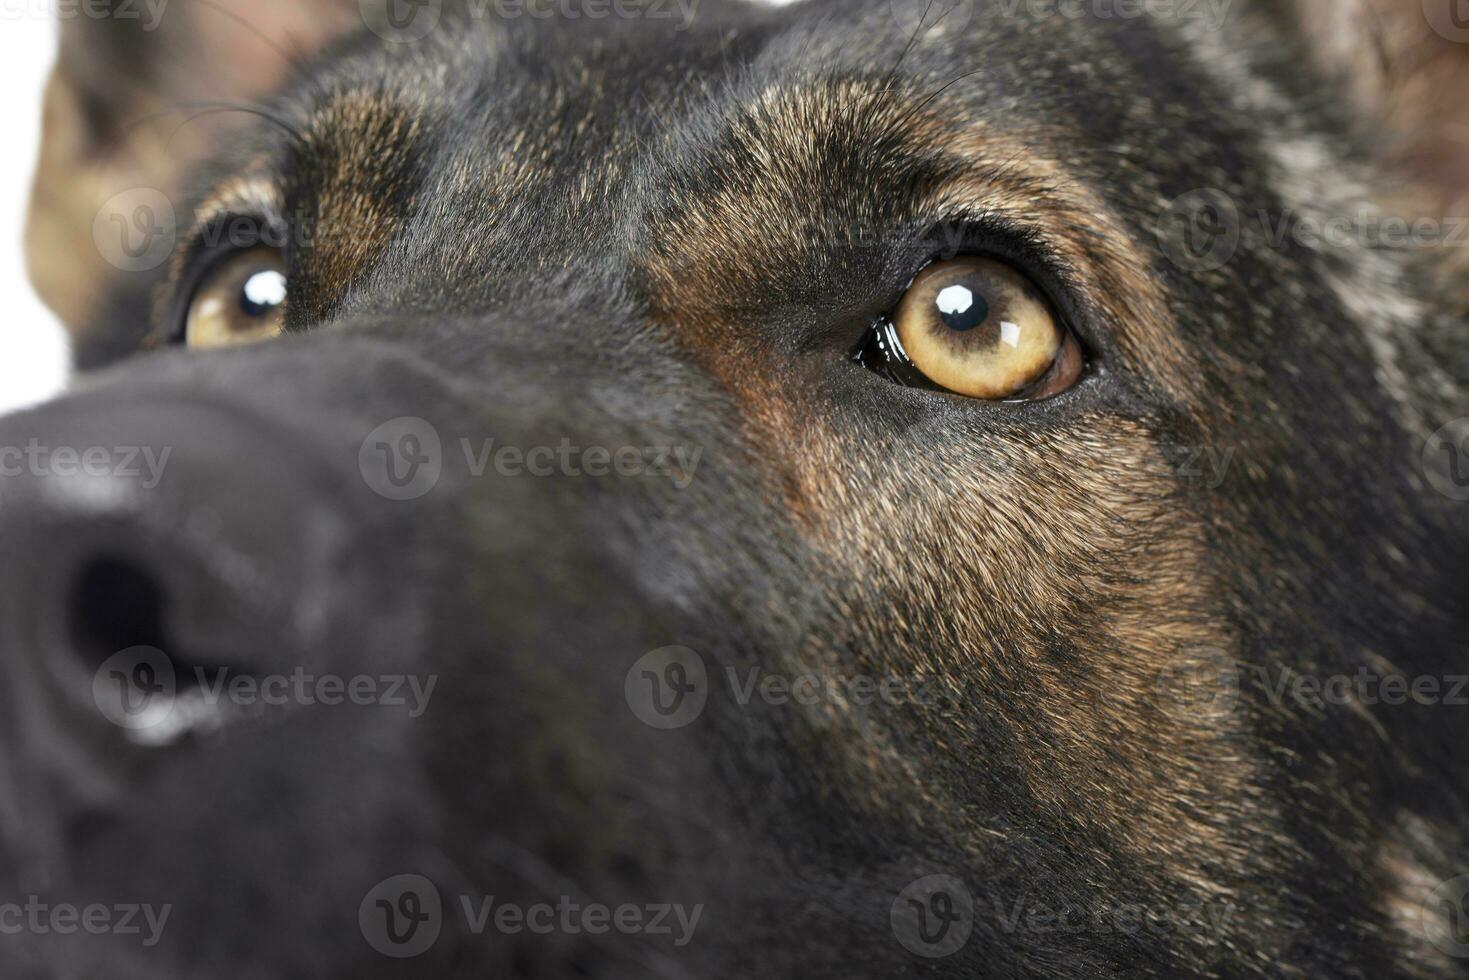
(981, 328)
(241, 301)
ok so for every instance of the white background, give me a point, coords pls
(33, 355)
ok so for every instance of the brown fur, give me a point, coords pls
(1050, 575)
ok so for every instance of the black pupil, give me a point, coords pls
(961, 308)
(261, 294)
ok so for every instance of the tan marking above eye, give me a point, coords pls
(243, 300)
(980, 328)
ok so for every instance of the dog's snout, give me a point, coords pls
(175, 544)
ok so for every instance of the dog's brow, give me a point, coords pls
(251, 192)
(354, 179)
(812, 170)
(786, 166)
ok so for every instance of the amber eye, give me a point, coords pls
(976, 327)
(241, 301)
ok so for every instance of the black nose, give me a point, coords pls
(157, 547)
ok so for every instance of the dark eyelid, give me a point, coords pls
(988, 236)
(214, 241)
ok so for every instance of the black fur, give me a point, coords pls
(517, 230)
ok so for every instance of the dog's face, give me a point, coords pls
(922, 461)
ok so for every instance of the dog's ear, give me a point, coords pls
(125, 115)
(1404, 66)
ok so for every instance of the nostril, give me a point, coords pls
(114, 605)
(166, 606)
(119, 619)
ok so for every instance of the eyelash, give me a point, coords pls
(882, 353)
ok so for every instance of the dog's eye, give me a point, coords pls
(976, 327)
(242, 300)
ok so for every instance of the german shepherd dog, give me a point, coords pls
(543, 498)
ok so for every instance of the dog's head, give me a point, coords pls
(837, 490)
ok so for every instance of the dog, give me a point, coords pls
(847, 489)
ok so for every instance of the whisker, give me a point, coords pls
(251, 108)
(288, 57)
